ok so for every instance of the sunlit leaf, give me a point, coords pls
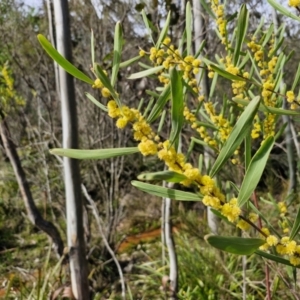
(94, 154)
(146, 73)
(255, 170)
(65, 64)
(235, 245)
(239, 131)
(165, 192)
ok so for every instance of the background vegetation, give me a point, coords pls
(130, 219)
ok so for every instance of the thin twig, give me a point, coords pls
(109, 249)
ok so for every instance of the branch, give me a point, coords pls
(32, 211)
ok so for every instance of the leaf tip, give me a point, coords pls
(207, 236)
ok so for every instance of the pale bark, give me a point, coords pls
(168, 238)
(52, 40)
(74, 211)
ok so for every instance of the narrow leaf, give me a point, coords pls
(297, 78)
(235, 245)
(129, 62)
(104, 79)
(169, 176)
(188, 28)
(207, 8)
(268, 109)
(94, 154)
(65, 64)
(242, 26)
(296, 226)
(96, 102)
(177, 98)
(118, 40)
(148, 25)
(159, 104)
(255, 170)
(262, 216)
(275, 258)
(213, 85)
(146, 73)
(239, 131)
(164, 31)
(283, 10)
(226, 74)
(165, 192)
(268, 35)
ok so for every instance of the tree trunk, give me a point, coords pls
(75, 231)
(32, 211)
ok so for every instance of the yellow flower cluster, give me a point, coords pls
(238, 86)
(168, 57)
(191, 118)
(218, 9)
(267, 67)
(212, 195)
(8, 80)
(176, 162)
(150, 145)
(142, 130)
(294, 3)
(282, 208)
(211, 73)
(256, 128)
(10, 99)
(99, 85)
(291, 98)
(224, 128)
(284, 246)
(215, 199)
(285, 226)
(230, 210)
